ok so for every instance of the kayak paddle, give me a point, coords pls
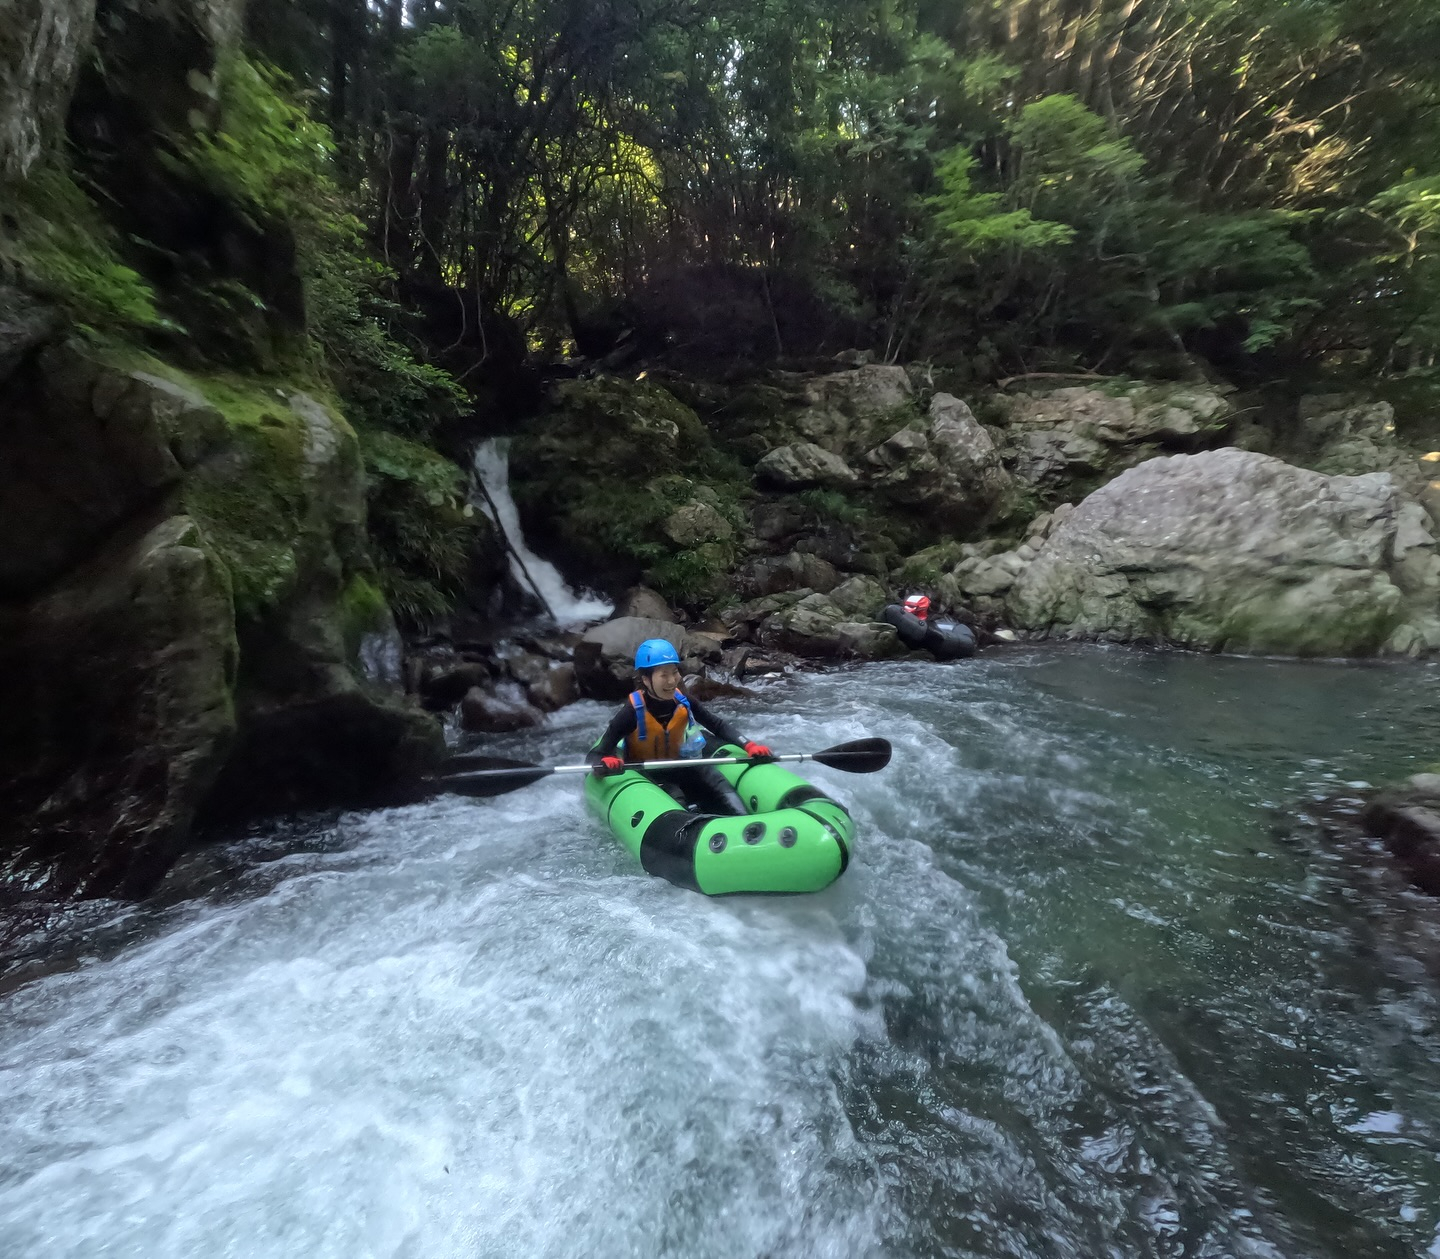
(471, 774)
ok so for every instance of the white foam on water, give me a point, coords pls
(467, 1035)
(492, 470)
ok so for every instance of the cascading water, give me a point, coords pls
(492, 471)
(1076, 998)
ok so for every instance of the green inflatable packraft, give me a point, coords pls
(794, 838)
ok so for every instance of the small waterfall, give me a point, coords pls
(492, 472)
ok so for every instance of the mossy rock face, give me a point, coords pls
(120, 712)
(620, 480)
(188, 591)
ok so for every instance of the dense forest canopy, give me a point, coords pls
(1015, 185)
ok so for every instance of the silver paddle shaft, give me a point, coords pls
(793, 757)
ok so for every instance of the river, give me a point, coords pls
(1086, 990)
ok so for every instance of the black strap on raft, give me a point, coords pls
(667, 849)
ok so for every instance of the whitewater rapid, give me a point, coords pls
(1029, 1021)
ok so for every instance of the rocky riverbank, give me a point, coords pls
(222, 489)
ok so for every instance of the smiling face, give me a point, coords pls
(661, 682)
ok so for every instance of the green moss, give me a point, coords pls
(607, 467)
(252, 509)
(834, 507)
(62, 247)
(362, 611)
(423, 530)
(694, 575)
(926, 567)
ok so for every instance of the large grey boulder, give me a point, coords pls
(862, 597)
(948, 470)
(1083, 432)
(644, 602)
(802, 465)
(810, 627)
(1234, 550)
(845, 412)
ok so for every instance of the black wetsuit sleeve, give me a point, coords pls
(716, 724)
(621, 724)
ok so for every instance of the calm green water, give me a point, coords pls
(1086, 990)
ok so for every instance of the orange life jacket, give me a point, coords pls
(652, 740)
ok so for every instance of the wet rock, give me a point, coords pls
(1407, 818)
(798, 570)
(801, 465)
(605, 655)
(706, 689)
(696, 522)
(949, 470)
(443, 687)
(860, 597)
(1227, 550)
(556, 646)
(118, 714)
(555, 688)
(499, 712)
(643, 602)
(868, 640)
(524, 666)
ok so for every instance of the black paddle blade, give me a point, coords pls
(492, 782)
(466, 761)
(863, 756)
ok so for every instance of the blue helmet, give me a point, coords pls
(654, 652)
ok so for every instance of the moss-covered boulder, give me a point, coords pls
(119, 712)
(187, 600)
(618, 481)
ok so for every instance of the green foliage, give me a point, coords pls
(695, 575)
(63, 247)
(422, 530)
(832, 505)
(976, 221)
(265, 153)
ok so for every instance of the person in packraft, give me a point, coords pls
(658, 723)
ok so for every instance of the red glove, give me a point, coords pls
(758, 752)
(609, 765)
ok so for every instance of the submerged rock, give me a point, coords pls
(1226, 550)
(1407, 818)
(501, 711)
